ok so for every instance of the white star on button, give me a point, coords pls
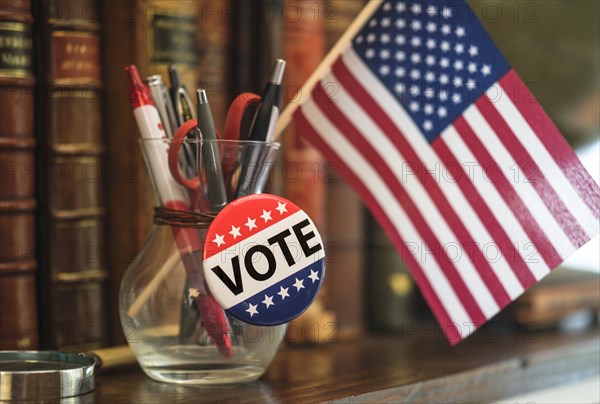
(251, 224)
(266, 216)
(486, 70)
(283, 292)
(219, 240)
(314, 276)
(268, 301)
(281, 207)
(252, 309)
(235, 232)
(299, 284)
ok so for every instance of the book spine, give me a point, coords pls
(72, 201)
(151, 34)
(344, 213)
(18, 267)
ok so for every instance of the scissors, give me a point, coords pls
(231, 131)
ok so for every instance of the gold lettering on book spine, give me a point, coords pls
(15, 50)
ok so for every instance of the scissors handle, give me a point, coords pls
(235, 114)
(192, 184)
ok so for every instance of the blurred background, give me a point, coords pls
(76, 203)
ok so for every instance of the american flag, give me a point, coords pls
(473, 183)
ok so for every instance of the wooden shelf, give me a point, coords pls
(488, 366)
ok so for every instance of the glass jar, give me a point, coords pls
(176, 330)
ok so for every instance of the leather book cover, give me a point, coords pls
(18, 266)
(344, 213)
(72, 202)
(151, 34)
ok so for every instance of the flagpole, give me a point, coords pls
(286, 116)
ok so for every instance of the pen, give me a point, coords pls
(172, 196)
(211, 159)
(262, 130)
(162, 102)
(180, 97)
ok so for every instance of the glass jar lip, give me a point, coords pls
(217, 141)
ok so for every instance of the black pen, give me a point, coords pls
(182, 101)
(261, 130)
(211, 159)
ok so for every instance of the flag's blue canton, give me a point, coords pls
(434, 56)
(283, 301)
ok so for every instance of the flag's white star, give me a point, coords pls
(251, 224)
(459, 48)
(235, 232)
(414, 106)
(429, 76)
(399, 88)
(473, 50)
(427, 125)
(444, 79)
(460, 32)
(431, 43)
(429, 93)
(471, 84)
(447, 12)
(459, 65)
(387, 6)
(486, 70)
(415, 90)
(384, 70)
(314, 276)
(385, 38)
(442, 112)
(428, 109)
(384, 54)
(370, 53)
(446, 29)
(415, 58)
(431, 27)
(430, 60)
(458, 81)
(400, 7)
(399, 72)
(400, 39)
(373, 22)
(268, 301)
(400, 23)
(385, 22)
(299, 284)
(359, 39)
(443, 96)
(416, 8)
(431, 11)
(472, 67)
(219, 240)
(266, 216)
(456, 98)
(371, 38)
(445, 46)
(416, 25)
(415, 41)
(400, 56)
(281, 208)
(415, 74)
(444, 63)
(252, 309)
(283, 292)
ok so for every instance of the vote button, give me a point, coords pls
(263, 259)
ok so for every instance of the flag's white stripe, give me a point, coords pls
(371, 180)
(501, 211)
(540, 155)
(452, 192)
(534, 204)
(433, 218)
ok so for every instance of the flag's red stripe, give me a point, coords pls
(501, 239)
(450, 328)
(534, 174)
(379, 116)
(552, 139)
(510, 196)
(329, 108)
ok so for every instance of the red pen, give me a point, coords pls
(172, 196)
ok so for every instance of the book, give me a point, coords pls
(151, 34)
(18, 266)
(344, 213)
(72, 201)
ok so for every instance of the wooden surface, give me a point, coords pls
(421, 368)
